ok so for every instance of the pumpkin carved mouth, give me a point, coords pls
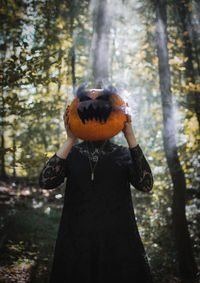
(98, 109)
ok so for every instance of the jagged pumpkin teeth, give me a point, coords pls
(95, 106)
(96, 114)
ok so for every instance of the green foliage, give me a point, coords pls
(29, 234)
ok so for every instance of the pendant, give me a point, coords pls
(92, 176)
(94, 158)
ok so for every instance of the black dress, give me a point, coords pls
(98, 239)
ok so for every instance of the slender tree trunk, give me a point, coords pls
(59, 98)
(3, 174)
(72, 50)
(73, 67)
(3, 171)
(100, 48)
(14, 156)
(191, 31)
(190, 45)
(186, 261)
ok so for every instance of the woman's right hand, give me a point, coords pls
(70, 135)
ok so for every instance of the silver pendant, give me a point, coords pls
(94, 158)
(92, 176)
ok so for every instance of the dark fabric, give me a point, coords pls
(98, 239)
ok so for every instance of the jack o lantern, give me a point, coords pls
(96, 114)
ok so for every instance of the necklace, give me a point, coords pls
(94, 156)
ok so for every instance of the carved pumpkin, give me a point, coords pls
(96, 114)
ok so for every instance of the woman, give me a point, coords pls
(98, 239)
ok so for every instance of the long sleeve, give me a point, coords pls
(140, 175)
(53, 173)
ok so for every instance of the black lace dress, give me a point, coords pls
(98, 239)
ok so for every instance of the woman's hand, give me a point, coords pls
(129, 133)
(70, 135)
(68, 144)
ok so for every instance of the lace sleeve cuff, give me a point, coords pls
(53, 173)
(136, 151)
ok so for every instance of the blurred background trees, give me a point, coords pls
(48, 48)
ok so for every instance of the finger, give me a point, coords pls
(66, 110)
(127, 118)
(66, 113)
(67, 126)
(65, 120)
(64, 116)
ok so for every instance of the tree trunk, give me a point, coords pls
(59, 98)
(3, 174)
(14, 156)
(189, 45)
(187, 266)
(73, 67)
(100, 48)
(72, 50)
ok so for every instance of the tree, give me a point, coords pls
(13, 55)
(191, 54)
(187, 264)
(100, 41)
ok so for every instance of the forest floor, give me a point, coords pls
(29, 219)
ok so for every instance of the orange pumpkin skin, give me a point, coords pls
(93, 129)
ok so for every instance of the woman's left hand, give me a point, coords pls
(129, 133)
